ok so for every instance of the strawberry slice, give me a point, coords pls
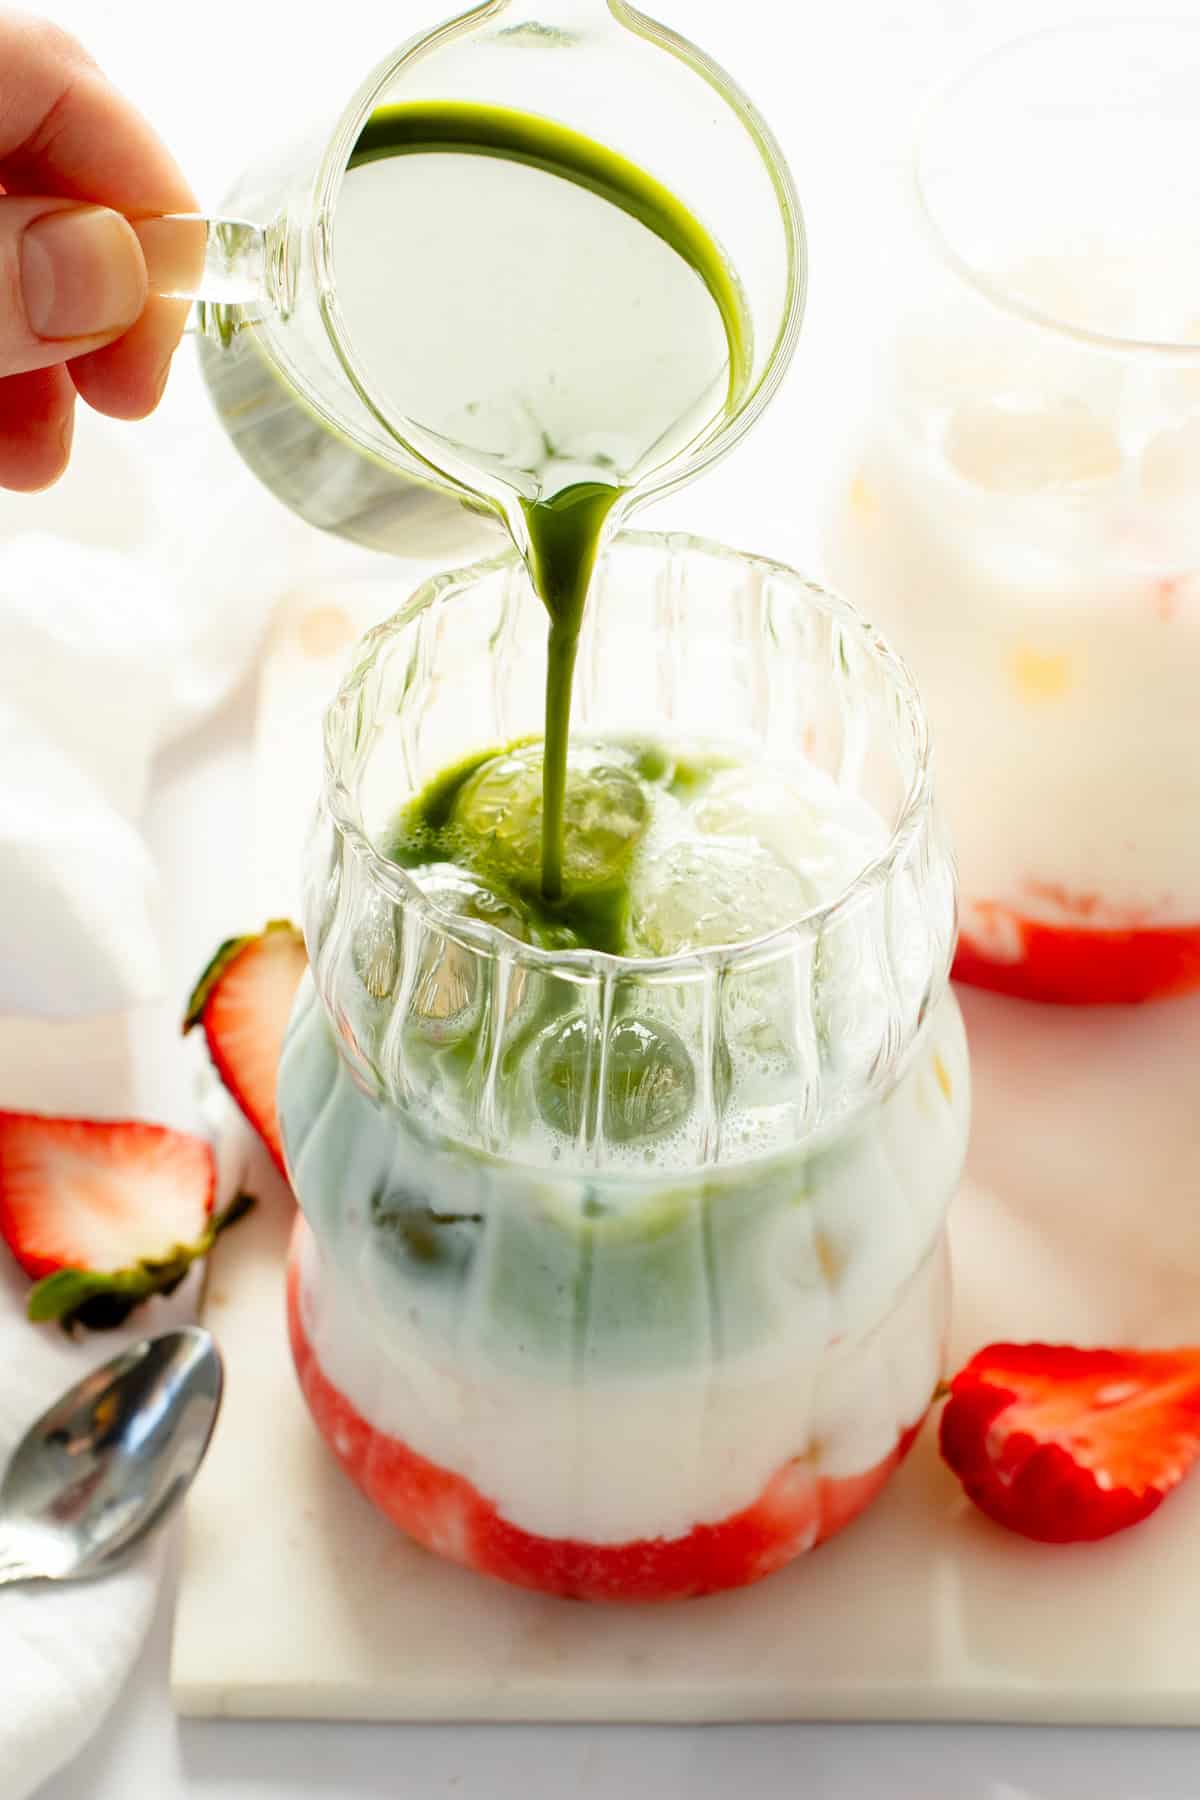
(243, 1000)
(1064, 1445)
(105, 1213)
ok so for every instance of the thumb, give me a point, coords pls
(72, 278)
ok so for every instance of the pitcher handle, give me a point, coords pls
(223, 261)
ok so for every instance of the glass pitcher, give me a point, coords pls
(1023, 516)
(624, 1278)
(293, 391)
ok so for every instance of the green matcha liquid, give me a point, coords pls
(580, 330)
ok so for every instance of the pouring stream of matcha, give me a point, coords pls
(553, 316)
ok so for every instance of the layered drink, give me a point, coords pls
(622, 1268)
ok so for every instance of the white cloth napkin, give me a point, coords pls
(65, 1651)
(132, 599)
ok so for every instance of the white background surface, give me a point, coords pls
(839, 85)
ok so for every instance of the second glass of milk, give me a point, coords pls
(1023, 516)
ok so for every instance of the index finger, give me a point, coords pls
(65, 130)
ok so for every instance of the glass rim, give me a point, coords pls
(427, 450)
(397, 884)
(995, 291)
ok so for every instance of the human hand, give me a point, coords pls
(74, 314)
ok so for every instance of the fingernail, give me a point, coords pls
(81, 272)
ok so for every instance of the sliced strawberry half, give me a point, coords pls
(243, 1000)
(1062, 1444)
(106, 1213)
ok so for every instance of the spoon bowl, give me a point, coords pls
(106, 1464)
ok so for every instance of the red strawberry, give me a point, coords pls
(244, 999)
(1063, 1444)
(107, 1213)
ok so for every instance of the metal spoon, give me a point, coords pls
(110, 1460)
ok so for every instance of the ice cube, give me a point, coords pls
(704, 891)
(810, 826)
(605, 812)
(1025, 450)
(375, 947)
(457, 891)
(649, 1082)
(445, 999)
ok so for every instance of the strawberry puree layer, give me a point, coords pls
(448, 1515)
(1076, 966)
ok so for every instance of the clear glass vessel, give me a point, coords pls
(324, 426)
(1024, 516)
(552, 1332)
